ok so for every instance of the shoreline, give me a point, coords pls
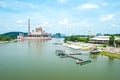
(88, 46)
(71, 46)
(110, 54)
(77, 47)
(2, 42)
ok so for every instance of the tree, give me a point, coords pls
(75, 38)
(111, 40)
(117, 43)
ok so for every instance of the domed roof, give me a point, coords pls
(38, 27)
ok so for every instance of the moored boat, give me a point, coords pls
(60, 53)
(83, 62)
(94, 51)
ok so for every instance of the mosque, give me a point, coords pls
(37, 34)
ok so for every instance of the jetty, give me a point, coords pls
(75, 58)
(57, 43)
(63, 54)
(75, 54)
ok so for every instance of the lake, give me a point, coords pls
(36, 60)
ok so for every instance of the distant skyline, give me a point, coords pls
(61, 16)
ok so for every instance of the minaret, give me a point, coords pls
(28, 26)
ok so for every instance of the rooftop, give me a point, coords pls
(101, 38)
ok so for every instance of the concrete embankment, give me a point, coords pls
(78, 45)
(72, 46)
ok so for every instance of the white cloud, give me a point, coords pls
(3, 4)
(104, 4)
(61, 1)
(106, 17)
(30, 5)
(114, 25)
(87, 6)
(83, 23)
(65, 21)
(45, 23)
(20, 21)
(16, 2)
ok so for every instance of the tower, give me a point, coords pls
(28, 26)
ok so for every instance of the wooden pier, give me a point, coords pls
(75, 53)
(73, 57)
(63, 54)
(79, 61)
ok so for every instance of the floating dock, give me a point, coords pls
(75, 53)
(63, 54)
(75, 58)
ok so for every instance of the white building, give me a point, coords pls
(99, 40)
(102, 39)
(37, 34)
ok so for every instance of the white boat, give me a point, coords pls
(94, 51)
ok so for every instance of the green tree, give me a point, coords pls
(6, 38)
(117, 43)
(111, 40)
(75, 38)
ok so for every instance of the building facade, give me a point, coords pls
(100, 40)
(37, 34)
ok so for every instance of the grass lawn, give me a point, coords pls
(113, 55)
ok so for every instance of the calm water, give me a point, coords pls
(35, 60)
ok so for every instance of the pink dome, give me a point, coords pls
(38, 28)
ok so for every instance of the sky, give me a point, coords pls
(61, 16)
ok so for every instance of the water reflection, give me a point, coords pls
(37, 47)
(36, 60)
(111, 58)
(93, 56)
